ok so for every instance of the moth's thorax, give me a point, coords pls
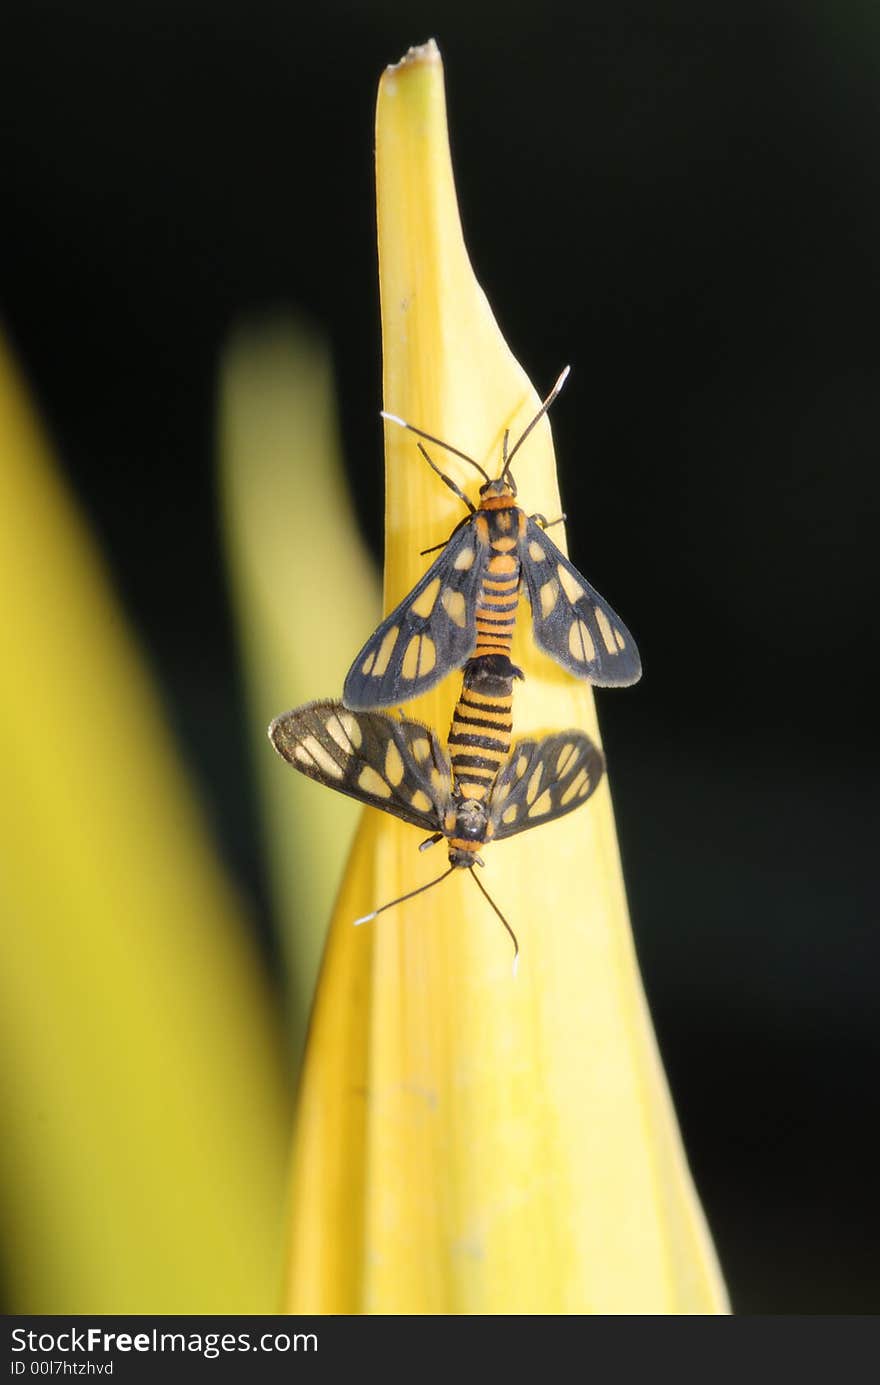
(501, 526)
(473, 829)
(492, 678)
(471, 823)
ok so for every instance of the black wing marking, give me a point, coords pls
(571, 621)
(543, 780)
(388, 762)
(431, 632)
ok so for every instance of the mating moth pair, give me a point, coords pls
(462, 613)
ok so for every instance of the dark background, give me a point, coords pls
(683, 200)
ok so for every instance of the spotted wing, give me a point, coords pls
(543, 780)
(382, 760)
(431, 632)
(571, 621)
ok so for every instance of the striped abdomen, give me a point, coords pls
(500, 525)
(479, 737)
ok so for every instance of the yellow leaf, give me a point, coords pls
(141, 1075)
(468, 1142)
(304, 589)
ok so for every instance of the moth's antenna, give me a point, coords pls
(485, 892)
(538, 416)
(403, 898)
(429, 437)
(447, 480)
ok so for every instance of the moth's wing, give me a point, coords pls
(386, 761)
(571, 621)
(431, 632)
(542, 780)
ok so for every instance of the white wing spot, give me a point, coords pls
(421, 802)
(427, 656)
(441, 787)
(541, 805)
(574, 787)
(373, 783)
(607, 633)
(420, 657)
(344, 730)
(566, 755)
(453, 604)
(570, 585)
(549, 594)
(320, 756)
(385, 649)
(464, 560)
(424, 605)
(620, 641)
(580, 642)
(536, 552)
(509, 814)
(532, 790)
(393, 765)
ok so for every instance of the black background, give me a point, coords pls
(682, 200)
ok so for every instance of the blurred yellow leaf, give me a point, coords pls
(141, 1073)
(304, 589)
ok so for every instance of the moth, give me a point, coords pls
(480, 790)
(465, 605)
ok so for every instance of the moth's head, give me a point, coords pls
(504, 488)
(461, 858)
